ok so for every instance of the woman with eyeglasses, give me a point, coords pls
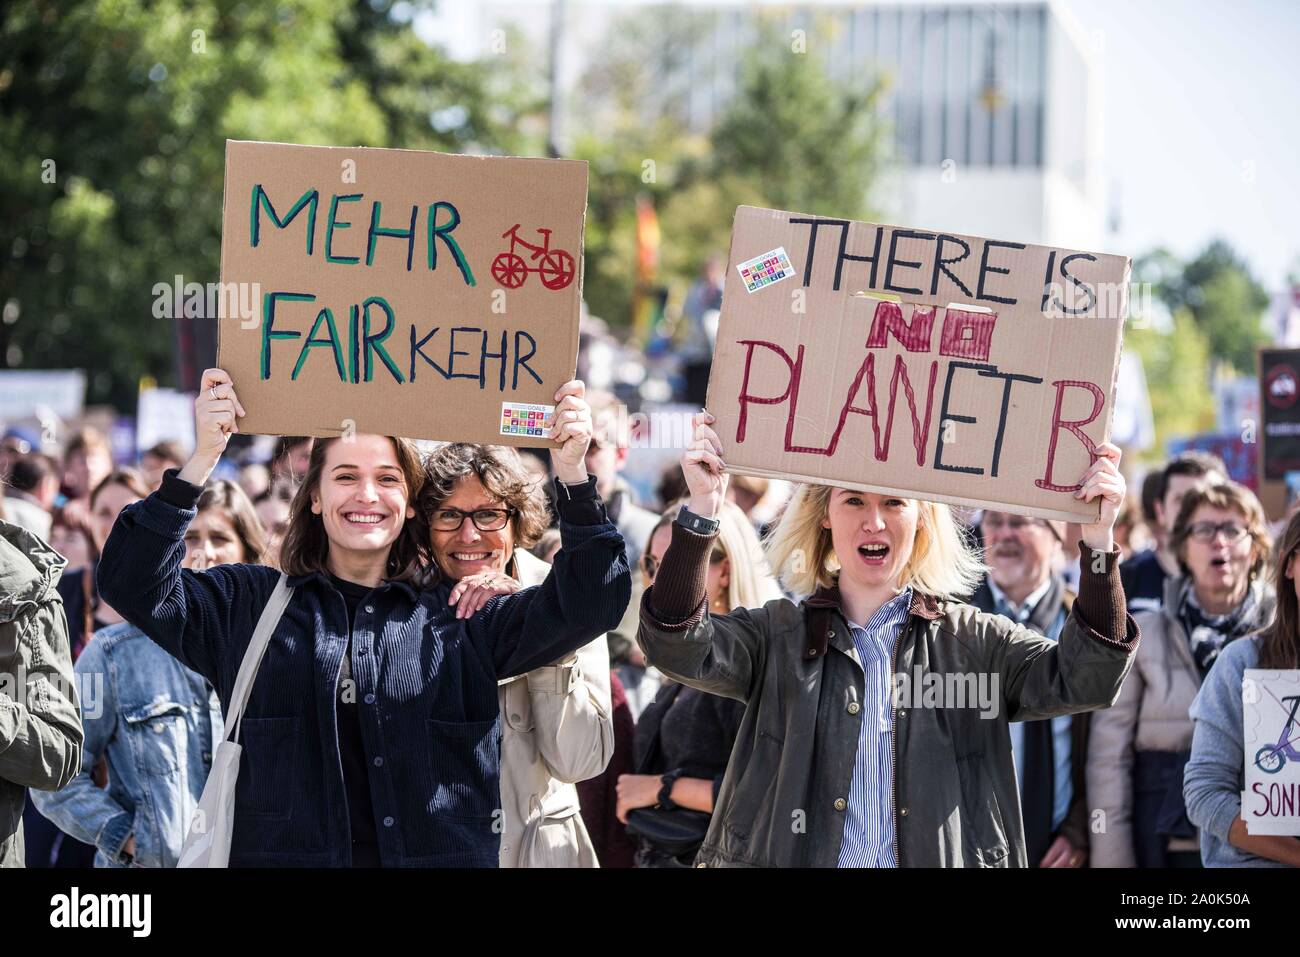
(1140, 746)
(684, 737)
(370, 735)
(485, 510)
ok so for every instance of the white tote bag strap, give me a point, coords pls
(207, 842)
(266, 624)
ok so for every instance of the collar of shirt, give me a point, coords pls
(1023, 611)
(895, 611)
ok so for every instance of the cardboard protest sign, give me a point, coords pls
(939, 366)
(1271, 741)
(401, 292)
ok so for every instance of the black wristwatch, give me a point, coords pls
(665, 799)
(696, 523)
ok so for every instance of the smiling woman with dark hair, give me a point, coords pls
(370, 735)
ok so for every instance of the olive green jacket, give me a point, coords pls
(40, 723)
(955, 799)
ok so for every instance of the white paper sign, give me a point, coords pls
(1271, 732)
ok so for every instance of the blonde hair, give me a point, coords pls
(751, 583)
(942, 563)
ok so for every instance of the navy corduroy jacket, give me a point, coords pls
(426, 682)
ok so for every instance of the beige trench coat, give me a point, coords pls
(557, 728)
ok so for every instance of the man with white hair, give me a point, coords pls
(1024, 583)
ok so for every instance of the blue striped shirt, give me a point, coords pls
(869, 817)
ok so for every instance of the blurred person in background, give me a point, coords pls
(606, 459)
(1024, 583)
(16, 443)
(1140, 745)
(273, 510)
(1145, 575)
(87, 460)
(41, 732)
(1213, 781)
(47, 845)
(33, 488)
(290, 461)
(255, 480)
(485, 507)
(700, 310)
(746, 491)
(684, 737)
(70, 537)
(156, 724)
(160, 458)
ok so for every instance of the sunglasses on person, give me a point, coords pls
(449, 519)
(1206, 532)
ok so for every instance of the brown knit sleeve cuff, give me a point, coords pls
(1100, 605)
(677, 595)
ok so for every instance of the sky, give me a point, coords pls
(1201, 121)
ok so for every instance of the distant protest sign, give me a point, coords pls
(939, 366)
(1270, 803)
(1279, 404)
(401, 292)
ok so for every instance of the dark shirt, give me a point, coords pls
(1143, 578)
(598, 796)
(696, 733)
(352, 747)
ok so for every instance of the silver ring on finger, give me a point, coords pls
(213, 392)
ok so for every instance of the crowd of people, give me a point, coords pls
(485, 656)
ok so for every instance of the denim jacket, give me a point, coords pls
(426, 682)
(157, 724)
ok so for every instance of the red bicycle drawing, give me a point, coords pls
(555, 267)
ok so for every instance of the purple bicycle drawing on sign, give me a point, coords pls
(555, 267)
(1271, 757)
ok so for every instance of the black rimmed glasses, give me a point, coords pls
(1207, 531)
(449, 519)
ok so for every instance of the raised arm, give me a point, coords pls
(582, 597)
(199, 619)
(721, 654)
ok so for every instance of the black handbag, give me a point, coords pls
(677, 832)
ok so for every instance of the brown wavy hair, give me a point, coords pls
(232, 500)
(306, 547)
(1230, 497)
(501, 470)
(1279, 640)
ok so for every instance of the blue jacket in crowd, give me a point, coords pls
(1215, 775)
(157, 724)
(426, 682)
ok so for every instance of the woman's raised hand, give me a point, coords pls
(572, 429)
(705, 472)
(1103, 478)
(216, 414)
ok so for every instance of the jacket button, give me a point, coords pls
(701, 864)
(902, 713)
(158, 729)
(841, 804)
(379, 762)
(812, 652)
(902, 811)
(370, 699)
(207, 757)
(831, 633)
(854, 707)
(388, 822)
(370, 609)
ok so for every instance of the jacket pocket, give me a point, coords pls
(518, 709)
(157, 730)
(984, 832)
(268, 772)
(465, 763)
